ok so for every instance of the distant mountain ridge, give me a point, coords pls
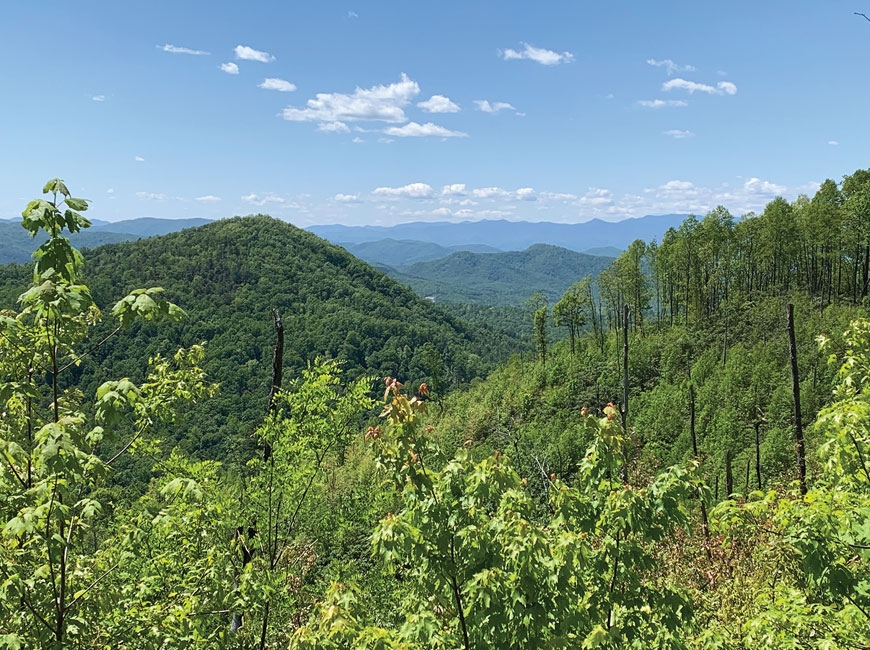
(397, 253)
(17, 246)
(511, 235)
(505, 278)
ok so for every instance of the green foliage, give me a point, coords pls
(485, 570)
(56, 451)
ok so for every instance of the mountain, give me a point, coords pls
(228, 276)
(506, 278)
(16, 245)
(511, 235)
(149, 226)
(400, 253)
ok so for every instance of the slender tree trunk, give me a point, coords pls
(729, 477)
(796, 396)
(758, 453)
(625, 311)
(705, 522)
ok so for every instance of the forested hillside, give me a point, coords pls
(229, 276)
(507, 278)
(687, 469)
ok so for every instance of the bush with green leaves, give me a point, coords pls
(56, 446)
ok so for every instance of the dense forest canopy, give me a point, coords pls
(633, 485)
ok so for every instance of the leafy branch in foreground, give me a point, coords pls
(55, 448)
(485, 568)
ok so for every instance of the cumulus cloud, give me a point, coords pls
(661, 103)
(526, 194)
(410, 191)
(597, 197)
(333, 127)
(670, 66)
(494, 107)
(208, 198)
(439, 104)
(538, 55)
(679, 134)
(454, 189)
(174, 49)
(256, 199)
(378, 103)
(230, 68)
(347, 198)
(758, 186)
(414, 130)
(691, 87)
(245, 53)
(280, 85)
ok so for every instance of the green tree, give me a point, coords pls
(57, 447)
(570, 310)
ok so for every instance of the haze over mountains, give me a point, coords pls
(510, 235)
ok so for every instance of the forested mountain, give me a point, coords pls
(229, 276)
(507, 278)
(16, 245)
(401, 253)
(511, 235)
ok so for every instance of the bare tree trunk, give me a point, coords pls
(625, 310)
(758, 453)
(729, 477)
(705, 522)
(796, 395)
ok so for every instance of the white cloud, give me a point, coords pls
(256, 199)
(494, 107)
(150, 196)
(721, 88)
(758, 186)
(246, 53)
(679, 134)
(526, 194)
(333, 127)
(833, 143)
(230, 68)
(174, 49)
(670, 66)
(98, 98)
(277, 84)
(410, 191)
(208, 198)
(439, 104)
(111, 190)
(597, 197)
(139, 159)
(442, 212)
(347, 198)
(661, 103)
(455, 189)
(414, 130)
(538, 54)
(558, 196)
(352, 14)
(490, 193)
(378, 103)
(357, 140)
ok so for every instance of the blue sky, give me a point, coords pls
(387, 112)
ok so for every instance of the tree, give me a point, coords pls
(56, 447)
(570, 311)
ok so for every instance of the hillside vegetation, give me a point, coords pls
(684, 471)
